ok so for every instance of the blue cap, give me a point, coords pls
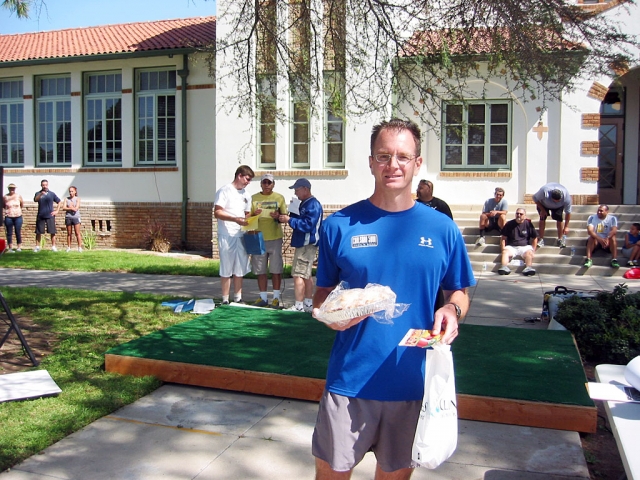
(301, 182)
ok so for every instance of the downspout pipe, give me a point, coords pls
(184, 73)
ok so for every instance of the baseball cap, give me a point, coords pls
(267, 176)
(301, 182)
(11, 185)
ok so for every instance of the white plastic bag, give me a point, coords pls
(437, 431)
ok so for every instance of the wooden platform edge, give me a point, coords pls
(470, 407)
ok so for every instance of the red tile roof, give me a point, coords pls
(108, 39)
(477, 41)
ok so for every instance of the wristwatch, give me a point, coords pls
(458, 309)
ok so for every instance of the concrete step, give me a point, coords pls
(551, 269)
(549, 259)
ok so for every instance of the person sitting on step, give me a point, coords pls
(494, 214)
(602, 229)
(519, 238)
(631, 248)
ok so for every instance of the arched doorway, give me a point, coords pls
(611, 154)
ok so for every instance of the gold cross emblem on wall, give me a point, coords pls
(540, 129)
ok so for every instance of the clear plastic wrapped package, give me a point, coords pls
(345, 303)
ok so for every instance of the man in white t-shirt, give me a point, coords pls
(602, 229)
(231, 207)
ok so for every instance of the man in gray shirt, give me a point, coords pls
(494, 214)
(553, 199)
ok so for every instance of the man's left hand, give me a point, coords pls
(445, 320)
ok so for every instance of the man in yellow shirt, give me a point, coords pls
(268, 206)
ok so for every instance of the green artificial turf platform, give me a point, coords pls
(505, 375)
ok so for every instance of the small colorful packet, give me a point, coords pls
(420, 338)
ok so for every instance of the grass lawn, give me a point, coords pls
(85, 324)
(117, 261)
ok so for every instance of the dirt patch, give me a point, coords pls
(13, 357)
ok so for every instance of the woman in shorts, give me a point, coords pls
(71, 207)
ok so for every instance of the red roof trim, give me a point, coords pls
(183, 33)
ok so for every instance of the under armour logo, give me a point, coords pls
(426, 242)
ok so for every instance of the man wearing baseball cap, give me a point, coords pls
(268, 206)
(306, 227)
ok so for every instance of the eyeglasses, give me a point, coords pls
(266, 182)
(518, 214)
(386, 158)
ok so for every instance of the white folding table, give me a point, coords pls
(624, 418)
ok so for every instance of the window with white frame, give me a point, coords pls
(103, 118)
(53, 120)
(476, 135)
(299, 133)
(267, 121)
(156, 116)
(11, 123)
(333, 117)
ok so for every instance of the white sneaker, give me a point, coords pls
(480, 241)
(54, 249)
(18, 249)
(294, 309)
(80, 249)
(541, 243)
(11, 250)
(307, 308)
(36, 250)
(504, 270)
(528, 271)
(68, 249)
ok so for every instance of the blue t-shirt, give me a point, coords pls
(412, 252)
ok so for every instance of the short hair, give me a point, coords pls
(398, 126)
(499, 189)
(605, 206)
(44, 180)
(636, 224)
(556, 194)
(521, 208)
(429, 183)
(244, 170)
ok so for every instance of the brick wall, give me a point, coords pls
(123, 225)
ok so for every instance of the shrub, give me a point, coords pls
(89, 239)
(155, 238)
(607, 327)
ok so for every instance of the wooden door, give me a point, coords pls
(610, 160)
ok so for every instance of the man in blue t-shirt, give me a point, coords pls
(374, 387)
(46, 214)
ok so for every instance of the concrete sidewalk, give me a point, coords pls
(181, 432)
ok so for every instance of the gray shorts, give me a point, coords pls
(303, 259)
(273, 258)
(347, 428)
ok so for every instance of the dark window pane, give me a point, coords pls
(476, 135)
(453, 114)
(267, 134)
(300, 154)
(334, 153)
(301, 133)
(334, 132)
(475, 156)
(499, 113)
(268, 154)
(476, 113)
(498, 155)
(498, 134)
(453, 156)
(454, 135)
